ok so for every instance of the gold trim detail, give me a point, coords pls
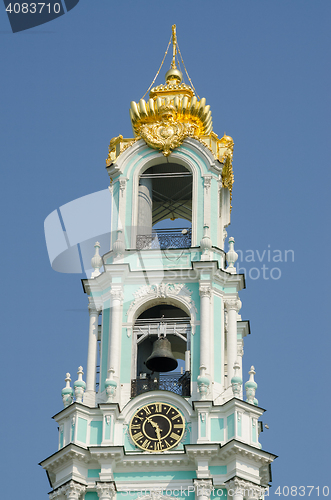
(166, 133)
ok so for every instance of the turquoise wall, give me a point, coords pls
(93, 473)
(218, 470)
(155, 476)
(96, 432)
(105, 341)
(218, 339)
(81, 429)
(230, 425)
(202, 427)
(91, 495)
(239, 426)
(217, 429)
(107, 428)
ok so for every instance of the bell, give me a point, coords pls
(161, 359)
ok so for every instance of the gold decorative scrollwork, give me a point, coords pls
(166, 133)
(227, 175)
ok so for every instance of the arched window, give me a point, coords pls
(174, 324)
(165, 207)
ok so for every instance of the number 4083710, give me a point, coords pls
(302, 491)
(33, 8)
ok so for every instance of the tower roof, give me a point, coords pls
(172, 112)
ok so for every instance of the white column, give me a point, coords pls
(115, 334)
(232, 306)
(145, 206)
(205, 294)
(203, 488)
(92, 349)
(106, 491)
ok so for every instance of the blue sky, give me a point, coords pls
(66, 87)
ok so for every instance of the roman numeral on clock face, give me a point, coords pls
(158, 407)
(138, 436)
(174, 436)
(146, 444)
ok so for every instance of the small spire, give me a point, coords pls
(174, 47)
(67, 392)
(174, 75)
(79, 385)
(251, 387)
(96, 261)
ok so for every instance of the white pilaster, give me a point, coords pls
(115, 334)
(89, 397)
(205, 294)
(232, 306)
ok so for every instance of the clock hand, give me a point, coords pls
(156, 427)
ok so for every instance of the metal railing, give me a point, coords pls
(178, 383)
(164, 239)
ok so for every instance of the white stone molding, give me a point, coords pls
(203, 488)
(207, 199)
(71, 491)
(239, 489)
(177, 291)
(106, 491)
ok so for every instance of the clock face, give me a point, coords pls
(157, 427)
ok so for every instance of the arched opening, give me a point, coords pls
(171, 322)
(165, 207)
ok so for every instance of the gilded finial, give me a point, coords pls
(174, 75)
(174, 47)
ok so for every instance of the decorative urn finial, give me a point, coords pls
(231, 257)
(236, 381)
(96, 261)
(110, 385)
(205, 243)
(79, 386)
(251, 387)
(67, 392)
(203, 383)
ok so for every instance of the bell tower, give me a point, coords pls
(162, 411)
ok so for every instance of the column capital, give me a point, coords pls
(71, 490)
(232, 304)
(106, 490)
(245, 488)
(205, 291)
(117, 294)
(203, 487)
